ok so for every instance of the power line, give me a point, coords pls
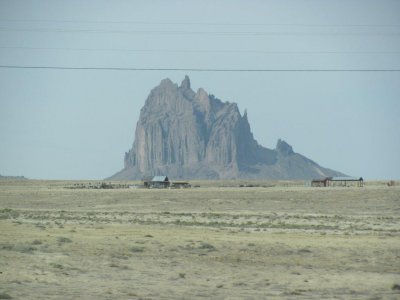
(192, 23)
(189, 32)
(199, 51)
(191, 69)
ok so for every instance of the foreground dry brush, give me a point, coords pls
(213, 242)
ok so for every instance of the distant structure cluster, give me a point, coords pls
(163, 182)
(338, 181)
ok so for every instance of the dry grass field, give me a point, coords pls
(275, 241)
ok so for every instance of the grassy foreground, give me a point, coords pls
(269, 242)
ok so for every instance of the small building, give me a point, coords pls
(159, 182)
(346, 181)
(320, 182)
(337, 181)
(162, 182)
(146, 181)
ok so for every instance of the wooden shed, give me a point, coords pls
(320, 182)
(160, 182)
(346, 181)
(147, 181)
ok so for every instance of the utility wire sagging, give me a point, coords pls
(192, 69)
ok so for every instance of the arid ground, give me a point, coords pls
(217, 241)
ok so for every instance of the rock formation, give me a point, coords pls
(187, 134)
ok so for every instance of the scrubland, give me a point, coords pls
(278, 240)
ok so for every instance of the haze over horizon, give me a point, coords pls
(77, 124)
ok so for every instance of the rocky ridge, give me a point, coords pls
(187, 134)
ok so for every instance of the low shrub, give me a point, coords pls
(207, 246)
(396, 287)
(62, 239)
(5, 296)
(136, 249)
(20, 248)
(57, 266)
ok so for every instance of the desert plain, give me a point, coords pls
(273, 240)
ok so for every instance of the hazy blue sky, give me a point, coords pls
(77, 124)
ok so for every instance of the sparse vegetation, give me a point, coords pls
(62, 240)
(7, 213)
(396, 287)
(307, 242)
(5, 296)
(207, 246)
(24, 248)
(136, 249)
(57, 266)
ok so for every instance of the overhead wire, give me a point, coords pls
(191, 23)
(191, 32)
(190, 69)
(195, 50)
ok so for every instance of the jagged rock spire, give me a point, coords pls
(284, 148)
(245, 114)
(185, 83)
(183, 134)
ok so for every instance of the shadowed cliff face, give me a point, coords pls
(187, 134)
